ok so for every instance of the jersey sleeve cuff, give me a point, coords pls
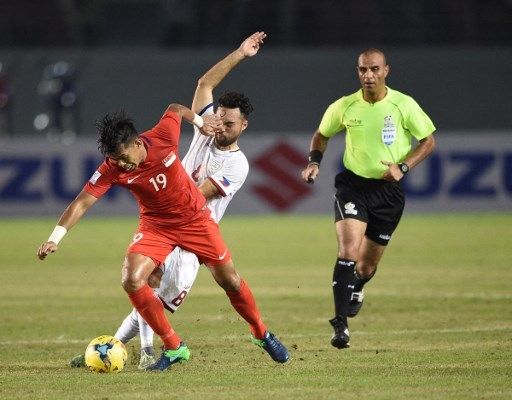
(219, 187)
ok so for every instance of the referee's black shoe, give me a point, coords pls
(341, 337)
(355, 303)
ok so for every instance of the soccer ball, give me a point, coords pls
(105, 354)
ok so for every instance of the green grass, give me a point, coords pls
(436, 324)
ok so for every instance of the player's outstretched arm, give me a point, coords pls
(209, 81)
(69, 218)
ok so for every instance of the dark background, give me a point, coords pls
(171, 23)
(454, 57)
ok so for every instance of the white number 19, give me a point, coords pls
(160, 180)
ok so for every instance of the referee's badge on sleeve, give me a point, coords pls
(389, 131)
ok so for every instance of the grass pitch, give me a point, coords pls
(436, 323)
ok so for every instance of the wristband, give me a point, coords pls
(198, 121)
(315, 157)
(57, 234)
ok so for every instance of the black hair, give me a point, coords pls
(113, 130)
(236, 100)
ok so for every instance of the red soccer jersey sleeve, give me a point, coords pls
(168, 128)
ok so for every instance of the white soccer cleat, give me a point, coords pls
(146, 359)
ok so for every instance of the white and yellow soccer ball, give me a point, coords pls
(106, 354)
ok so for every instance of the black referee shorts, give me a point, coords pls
(377, 202)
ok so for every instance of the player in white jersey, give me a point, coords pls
(219, 168)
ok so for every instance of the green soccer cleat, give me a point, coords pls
(273, 347)
(77, 361)
(170, 357)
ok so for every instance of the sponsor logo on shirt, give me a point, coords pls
(130, 180)
(95, 177)
(354, 122)
(350, 208)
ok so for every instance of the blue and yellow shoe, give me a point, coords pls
(170, 357)
(272, 346)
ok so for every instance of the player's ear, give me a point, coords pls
(245, 124)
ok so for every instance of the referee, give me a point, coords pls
(380, 125)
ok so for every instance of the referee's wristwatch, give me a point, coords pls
(403, 167)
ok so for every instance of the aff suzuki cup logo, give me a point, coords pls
(389, 131)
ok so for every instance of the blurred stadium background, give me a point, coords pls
(64, 63)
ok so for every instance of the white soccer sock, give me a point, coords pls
(129, 327)
(146, 333)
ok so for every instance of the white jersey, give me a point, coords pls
(227, 170)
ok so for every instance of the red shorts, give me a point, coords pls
(202, 237)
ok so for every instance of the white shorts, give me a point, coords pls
(179, 273)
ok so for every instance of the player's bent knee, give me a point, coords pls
(227, 278)
(131, 283)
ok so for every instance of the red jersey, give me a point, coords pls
(165, 193)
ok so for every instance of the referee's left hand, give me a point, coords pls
(393, 173)
(310, 173)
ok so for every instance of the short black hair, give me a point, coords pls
(113, 130)
(236, 100)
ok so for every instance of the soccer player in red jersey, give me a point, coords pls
(173, 213)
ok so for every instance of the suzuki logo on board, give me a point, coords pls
(281, 165)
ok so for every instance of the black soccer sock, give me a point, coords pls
(342, 286)
(360, 282)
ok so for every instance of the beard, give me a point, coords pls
(223, 141)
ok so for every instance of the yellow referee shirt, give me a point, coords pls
(376, 131)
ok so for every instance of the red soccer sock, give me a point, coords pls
(152, 310)
(244, 303)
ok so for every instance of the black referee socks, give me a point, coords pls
(343, 280)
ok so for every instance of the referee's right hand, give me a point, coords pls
(310, 173)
